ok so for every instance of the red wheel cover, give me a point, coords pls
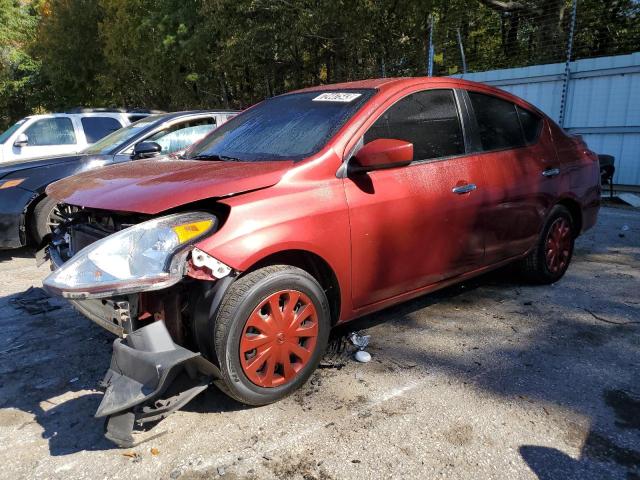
(558, 245)
(279, 338)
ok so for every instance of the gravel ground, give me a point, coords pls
(491, 379)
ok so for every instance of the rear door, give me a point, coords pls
(96, 127)
(409, 228)
(521, 173)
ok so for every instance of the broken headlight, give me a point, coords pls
(147, 256)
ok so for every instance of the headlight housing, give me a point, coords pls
(147, 256)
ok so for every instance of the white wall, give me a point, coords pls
(603, 103)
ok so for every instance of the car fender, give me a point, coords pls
(275, 220)
(37, 179)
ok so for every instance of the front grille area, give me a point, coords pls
(82, 227)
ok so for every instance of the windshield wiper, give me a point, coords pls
(216, 158)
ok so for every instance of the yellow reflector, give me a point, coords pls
(191, 230)
(12, 183)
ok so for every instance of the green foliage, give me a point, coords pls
(71, 52)
(179, 54)
(20, 87)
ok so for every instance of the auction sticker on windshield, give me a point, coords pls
(337, 97)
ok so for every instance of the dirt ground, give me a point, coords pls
(491, 379)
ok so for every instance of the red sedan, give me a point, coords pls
(308, 210)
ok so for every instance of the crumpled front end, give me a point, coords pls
(159, 361)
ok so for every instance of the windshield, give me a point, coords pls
(9, 131)
(288, 127)
(120, 137)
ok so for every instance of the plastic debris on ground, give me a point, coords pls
(623, 230)
(361, 342)
(362, 356)
(34, 301)
(343, 348)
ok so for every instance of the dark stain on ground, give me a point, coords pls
(599, 447)
(625, 406)
(592, 338)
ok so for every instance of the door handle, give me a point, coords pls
(469, 187)
(551, 172)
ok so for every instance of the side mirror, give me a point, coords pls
(146, 150)
(21, 141)
(384, 153)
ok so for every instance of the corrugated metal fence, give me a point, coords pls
(603, 103)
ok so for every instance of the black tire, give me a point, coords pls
(534, 266)
(40, 221)
(242, 298)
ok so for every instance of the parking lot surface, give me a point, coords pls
(491, 379)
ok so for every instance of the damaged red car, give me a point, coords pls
(229, 266)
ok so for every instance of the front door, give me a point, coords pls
(416, 225)
(48, 137)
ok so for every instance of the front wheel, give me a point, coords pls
(270, 333)
(46, 217)
(550, 258)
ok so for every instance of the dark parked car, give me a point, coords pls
(306, 211)
(27, 214)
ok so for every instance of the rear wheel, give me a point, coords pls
(549, 260)
(46, 217)
(270, 332)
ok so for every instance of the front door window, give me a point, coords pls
(51, 131)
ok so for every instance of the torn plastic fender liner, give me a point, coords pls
(142, 367)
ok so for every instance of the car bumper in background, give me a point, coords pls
(13, 205)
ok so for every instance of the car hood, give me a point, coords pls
(10, 167)
(152, 186)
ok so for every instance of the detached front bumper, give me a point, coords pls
(150, 376)
(140, 384)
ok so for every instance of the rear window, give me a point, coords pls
(134, 117)
(288, 127)
(531, 124)
(122, 136)
(498, 123)
(96, 128)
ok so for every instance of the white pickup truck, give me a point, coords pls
(62, 133)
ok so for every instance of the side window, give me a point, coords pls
(498, 122)
(531, 125)
(428, 119)
(51, 131)
(134, 117)
(96, 128)
(182, 135)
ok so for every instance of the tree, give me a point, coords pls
(546, 19)
(71, 52)
(20, 86)
(183, 54)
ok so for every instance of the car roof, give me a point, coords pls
(185, 113)
(394, 84)
(165, 115)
